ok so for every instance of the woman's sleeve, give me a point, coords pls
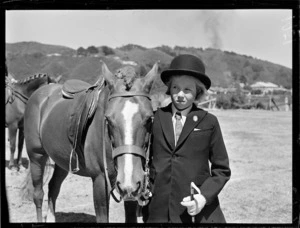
(220, 171)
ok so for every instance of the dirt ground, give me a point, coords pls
(259, 144)
(74, 203)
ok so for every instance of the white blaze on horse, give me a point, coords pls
(100, 131)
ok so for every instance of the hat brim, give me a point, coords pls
(165, 76)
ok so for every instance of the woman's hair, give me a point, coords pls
(200, 87)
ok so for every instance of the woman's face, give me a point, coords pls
(183, 91)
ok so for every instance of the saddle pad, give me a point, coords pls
(73, 86)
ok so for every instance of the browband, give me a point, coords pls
(129, 94)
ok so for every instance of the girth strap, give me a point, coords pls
(128, 149)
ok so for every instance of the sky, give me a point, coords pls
(262, 34)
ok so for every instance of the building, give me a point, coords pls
(265, 87)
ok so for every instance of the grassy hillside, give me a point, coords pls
(23, 48)
(223, 67)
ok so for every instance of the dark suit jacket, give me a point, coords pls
(174, 168)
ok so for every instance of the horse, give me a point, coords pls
(17, 93)
(112, 121)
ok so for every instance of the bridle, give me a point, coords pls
(127, 149)
(15, 93)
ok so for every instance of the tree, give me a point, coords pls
(243, 79)
(107, 50)
(92, 50)
(81, 51)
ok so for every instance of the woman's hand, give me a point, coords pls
(194, 206)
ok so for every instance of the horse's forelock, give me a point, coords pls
(128, 76)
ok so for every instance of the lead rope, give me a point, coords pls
(108, 185)
(146, 193)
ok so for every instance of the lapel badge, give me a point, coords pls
(195, 118)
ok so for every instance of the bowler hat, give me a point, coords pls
(187, 65)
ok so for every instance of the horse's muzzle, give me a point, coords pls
(129, 193)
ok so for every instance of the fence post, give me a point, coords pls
(286, 102)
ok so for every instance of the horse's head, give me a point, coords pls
(129, 116)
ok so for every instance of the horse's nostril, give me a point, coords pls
(139, 185)
(136, 192)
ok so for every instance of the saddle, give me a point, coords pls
(84, 97)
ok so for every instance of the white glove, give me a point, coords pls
(194, 206)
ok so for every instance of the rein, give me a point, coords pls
(126, 149)
(14, 94)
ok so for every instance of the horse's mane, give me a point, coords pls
(31, 78)
(128, 75)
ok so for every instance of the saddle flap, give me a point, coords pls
(74, 86)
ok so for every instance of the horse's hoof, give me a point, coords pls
(15, 168)
(21, 168)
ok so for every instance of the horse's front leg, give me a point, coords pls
(59, 175)
(130, 211)
(12, 132)
(101, 199)
(20, 146)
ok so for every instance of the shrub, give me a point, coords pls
(81, 51)
(92, 50)
(223, 101)
(231, 101)
(260, 105)
(37, 55)
(107, 50)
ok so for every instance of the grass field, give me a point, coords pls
(259, 144)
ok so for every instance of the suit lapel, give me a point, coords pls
(165, 117)
(192, 120)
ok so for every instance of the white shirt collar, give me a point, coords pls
(184, 113)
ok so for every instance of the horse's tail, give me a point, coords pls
(26, 187)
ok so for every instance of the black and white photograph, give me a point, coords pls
(169, 116)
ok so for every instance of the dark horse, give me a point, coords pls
(17, 93)
(115, 138)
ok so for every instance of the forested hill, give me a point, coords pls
(224, 68)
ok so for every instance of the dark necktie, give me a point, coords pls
(178, 126)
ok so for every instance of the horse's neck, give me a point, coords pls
(28, 88)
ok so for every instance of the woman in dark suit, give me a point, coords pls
(187, 147)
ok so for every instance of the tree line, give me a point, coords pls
(92, 50)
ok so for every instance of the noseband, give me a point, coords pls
(125, 149)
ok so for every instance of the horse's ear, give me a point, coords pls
(149, 78)
(108, 76)
(57, 79)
